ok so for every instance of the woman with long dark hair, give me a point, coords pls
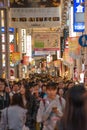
(30, 104)
(74, 117)
(15, 115)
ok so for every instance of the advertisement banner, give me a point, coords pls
(14, 57)
(79, 11)
(34, 3)
(46, 41)
(74, 47)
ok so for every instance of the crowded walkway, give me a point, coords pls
(42, 102)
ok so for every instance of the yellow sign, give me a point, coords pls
(14, 57)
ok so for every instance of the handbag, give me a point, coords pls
(7, 126)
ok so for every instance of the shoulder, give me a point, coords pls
(64, 101)
(17, 110)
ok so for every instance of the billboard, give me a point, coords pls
(79, 11)
(34, 3)
(46, 41)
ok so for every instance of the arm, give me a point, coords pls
(47, 112)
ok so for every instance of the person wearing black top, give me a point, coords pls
(4, 97)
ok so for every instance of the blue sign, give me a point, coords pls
(83, 40)
(11, 30)
(78, 12)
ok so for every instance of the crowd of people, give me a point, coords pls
(42, 102)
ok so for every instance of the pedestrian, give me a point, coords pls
(50, 111)
(31, 106)
(4, 96)
(15, 115)
(75, 114)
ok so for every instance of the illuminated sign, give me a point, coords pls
(79, 10)
(23, 40)
(11, 30)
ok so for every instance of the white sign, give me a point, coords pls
(79, 1)
(23, 40)
(35, 17)
(41, 53)
(79, 9)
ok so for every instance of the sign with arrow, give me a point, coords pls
(83, 40)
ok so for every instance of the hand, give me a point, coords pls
(55, 110)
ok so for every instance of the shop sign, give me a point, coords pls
(35, 17)
(23, 40)
(26, 60)
(11, 47)
(79, 11)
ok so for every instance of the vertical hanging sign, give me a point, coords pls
(79, 15)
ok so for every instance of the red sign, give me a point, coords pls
(11, 47)
(26, 60)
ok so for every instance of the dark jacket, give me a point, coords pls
(32, 112)
(4, 100)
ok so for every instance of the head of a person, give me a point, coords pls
(2, 84)
(44, 88)
(31, 87)
(16, 87)
(51, 89)
(22, 90)
(36, 90)
(74, 116)
(61, 85)
(17, 100)
(61, 92)
(70, 84)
